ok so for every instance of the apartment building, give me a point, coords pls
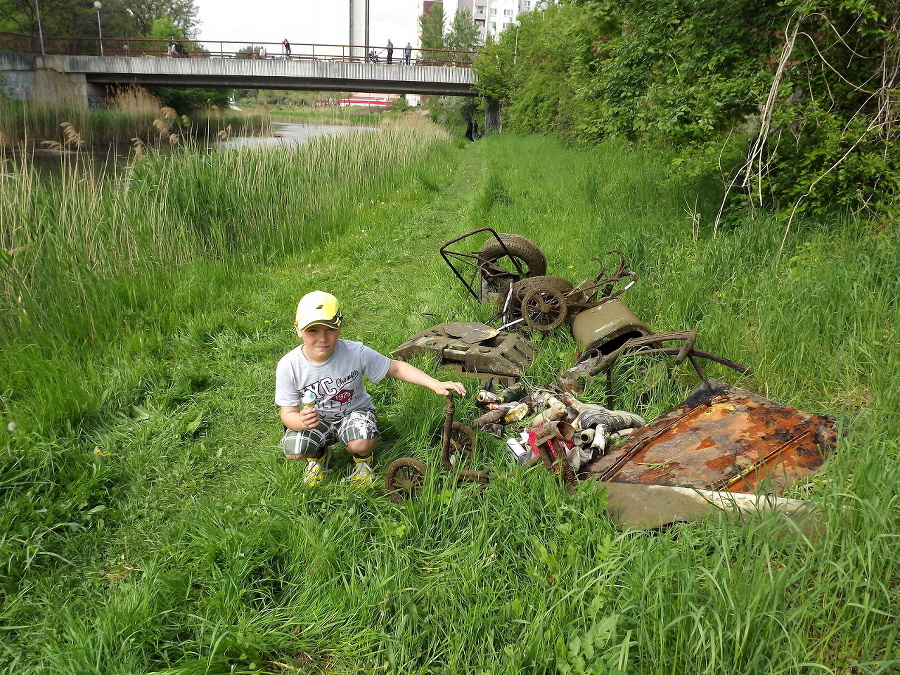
(492, 16)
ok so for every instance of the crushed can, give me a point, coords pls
(519, 451)
(484, 397)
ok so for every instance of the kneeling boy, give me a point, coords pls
(331, 369)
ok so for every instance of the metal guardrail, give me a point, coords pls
(229, 49)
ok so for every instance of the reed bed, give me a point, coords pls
(151, 526)
(129, 115)
(175, 208)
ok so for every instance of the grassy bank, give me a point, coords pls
(150, 524)
(334, 115)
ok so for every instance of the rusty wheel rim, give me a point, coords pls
(458, 456)
(404, 479)
(544, 309)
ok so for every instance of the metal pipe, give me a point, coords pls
(37, 10)
(585, 437)
(97, 5)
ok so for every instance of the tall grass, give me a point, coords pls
(64, 239)
(151, 525)
(129, 114)
(333, 115)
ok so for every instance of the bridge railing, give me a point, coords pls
(229, 49)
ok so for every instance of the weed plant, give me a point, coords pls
(151, 525)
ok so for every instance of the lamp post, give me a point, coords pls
(37, 9)
(97, 5)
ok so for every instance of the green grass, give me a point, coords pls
(150, 524)
(330, 115)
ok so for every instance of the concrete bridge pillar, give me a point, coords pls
(29, 77)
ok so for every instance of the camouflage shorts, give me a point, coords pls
(358, 425)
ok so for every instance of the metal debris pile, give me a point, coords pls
(721, 439)
(564, 427)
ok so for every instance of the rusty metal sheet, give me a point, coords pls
(470, 332)
(727, 439)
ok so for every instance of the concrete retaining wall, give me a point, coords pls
(30, 77)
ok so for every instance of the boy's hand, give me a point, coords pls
(309, 417)
(409, 373)
(444, 388)
(296, 418)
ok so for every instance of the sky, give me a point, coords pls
(307, 21)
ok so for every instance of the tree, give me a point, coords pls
(120, 18)
(431, 32)
(463, 33)
(494, 67)
(183, 13)
(61, 18)
(794, 103)
(163, 27)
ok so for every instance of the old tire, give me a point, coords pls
(404, 479)
(523, 250)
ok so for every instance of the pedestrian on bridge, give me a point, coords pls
(407, 53)
(287, 48)
(390, 51)
(176, 49)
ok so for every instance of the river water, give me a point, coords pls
(284, 134)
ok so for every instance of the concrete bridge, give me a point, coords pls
(35, 77)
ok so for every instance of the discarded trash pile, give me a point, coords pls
(722, 439)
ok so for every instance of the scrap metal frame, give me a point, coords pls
(473, 259)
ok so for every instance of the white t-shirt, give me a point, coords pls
(337, 383)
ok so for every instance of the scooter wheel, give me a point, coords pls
(404, 479)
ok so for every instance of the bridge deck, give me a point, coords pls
(296, 74)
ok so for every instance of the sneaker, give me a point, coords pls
(361, 476)
(314, 474)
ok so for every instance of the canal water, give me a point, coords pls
(285, 134)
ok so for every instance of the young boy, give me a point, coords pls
(331, 369)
